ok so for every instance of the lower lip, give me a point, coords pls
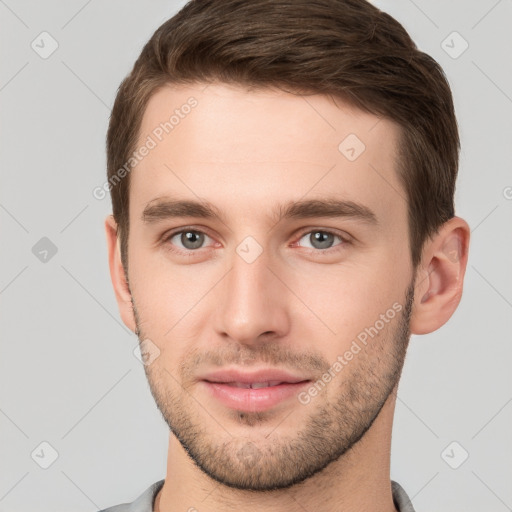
(253, 400)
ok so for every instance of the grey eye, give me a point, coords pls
(321, 239)
(190, 239)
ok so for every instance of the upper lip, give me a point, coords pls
(263, 375)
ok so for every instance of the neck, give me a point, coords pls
(359, 480)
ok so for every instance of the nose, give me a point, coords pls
(253, 302)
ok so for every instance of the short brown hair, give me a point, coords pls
(345, 48)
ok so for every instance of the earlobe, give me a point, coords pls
(118, 276)
(439, 281)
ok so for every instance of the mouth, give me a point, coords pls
(254, 385)
(255, 392)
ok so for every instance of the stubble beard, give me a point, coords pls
(261, 463)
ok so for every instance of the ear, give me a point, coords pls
(440, 276)
(118, 276)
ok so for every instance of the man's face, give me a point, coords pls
(312, 294)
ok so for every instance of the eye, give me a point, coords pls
(322, 240)
(190, 239)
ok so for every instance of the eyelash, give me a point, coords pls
(189, 252)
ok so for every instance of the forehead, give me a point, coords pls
(259, 116)
(223, 142)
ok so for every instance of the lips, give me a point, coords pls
(269, 376)
(253, 385)
(254, 391)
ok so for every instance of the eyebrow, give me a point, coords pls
(163, 208)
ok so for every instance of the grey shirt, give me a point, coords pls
(145, 502)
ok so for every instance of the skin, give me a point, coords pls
(297, 306)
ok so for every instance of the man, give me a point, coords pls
(282, 176)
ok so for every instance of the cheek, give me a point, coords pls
(341, 289)
(342, 304)
(172, 304)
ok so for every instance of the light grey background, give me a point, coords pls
(69, 376)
